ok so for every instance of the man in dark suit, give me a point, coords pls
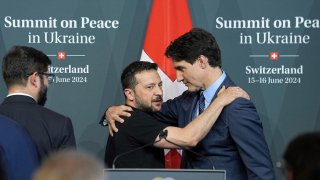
(236, 141)
(18, 154)
(25, 72)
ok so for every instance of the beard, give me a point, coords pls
(147, 107)
(42, 94)
(143, 106)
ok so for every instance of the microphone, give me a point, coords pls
(161, 135)
(165, 134)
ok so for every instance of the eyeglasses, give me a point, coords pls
(50, 76)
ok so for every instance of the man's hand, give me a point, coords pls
(113, 114)
(227, 95)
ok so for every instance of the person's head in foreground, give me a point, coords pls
(302, 158)
(70, 165)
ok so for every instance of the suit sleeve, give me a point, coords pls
(247, 132)
(167, 114)
(68, 139)
(170, 109)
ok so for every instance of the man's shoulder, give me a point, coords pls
(11, 128)
(50, 113)
(240, 103)
(7, 123)
(140, 118)
(26, 103)
(140, 114)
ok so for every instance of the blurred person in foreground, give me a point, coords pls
(18, 154)
(301, 159)
(70, 165)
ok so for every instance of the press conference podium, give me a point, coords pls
(164, 174)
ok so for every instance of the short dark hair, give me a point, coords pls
(302, 156)
(128, 79)
(21, 61)
(192, 44)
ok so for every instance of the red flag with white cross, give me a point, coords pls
(168, 20)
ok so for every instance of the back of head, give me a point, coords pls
(22, 61)
(70, 165)
(302, 157)
(128, 79)
(192, 44)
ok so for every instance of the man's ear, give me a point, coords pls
(129, 94)
(203, 61)
(33, 79)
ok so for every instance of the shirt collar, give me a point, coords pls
(212, 89)
(20, 94)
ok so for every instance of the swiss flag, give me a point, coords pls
(274, 56)
(168, 20)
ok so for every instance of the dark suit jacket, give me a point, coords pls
(18, 154)
(235, 143)
(49, 130)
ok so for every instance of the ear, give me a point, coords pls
(129, 94)
(33, 80)
(203, 61)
